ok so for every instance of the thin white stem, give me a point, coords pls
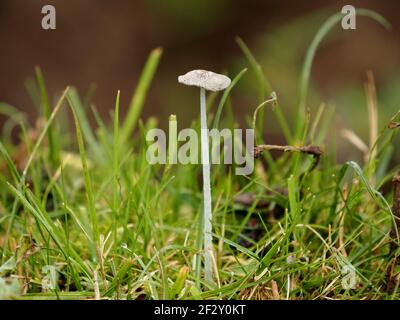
(207, 230)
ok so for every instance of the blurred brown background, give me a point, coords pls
(106, 43)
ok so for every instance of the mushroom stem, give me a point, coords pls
(206, 80)
(207, 230)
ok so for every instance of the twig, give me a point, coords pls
(394, 125)
(315, 151)
(392, 277)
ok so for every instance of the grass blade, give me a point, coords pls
(264, 88)
(13, 169)
(43, 134)
(375, 194)
(88, 180)
(308, 61)
(139, 96)
(88, 134)
(44, 101)
(225, 97)
(116, 165)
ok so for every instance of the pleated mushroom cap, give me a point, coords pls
(208, 80)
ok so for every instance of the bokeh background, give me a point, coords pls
(104, 44)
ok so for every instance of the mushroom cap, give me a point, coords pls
(205, 79)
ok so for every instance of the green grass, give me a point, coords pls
(86, 202)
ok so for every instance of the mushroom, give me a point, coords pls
(211, 81)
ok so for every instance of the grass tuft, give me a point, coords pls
(88, 206)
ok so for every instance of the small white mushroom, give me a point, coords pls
(211, 81)
(205, 79)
